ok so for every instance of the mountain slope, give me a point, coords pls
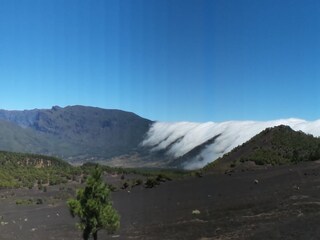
(16, 138)
(273, 146)
(75, 133)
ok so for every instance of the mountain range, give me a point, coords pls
(74, 133)
(88, 134)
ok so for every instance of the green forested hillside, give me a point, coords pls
(273, 146)
(27, 170)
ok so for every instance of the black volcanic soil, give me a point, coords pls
(284, 203)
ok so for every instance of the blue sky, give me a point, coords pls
(192, 60)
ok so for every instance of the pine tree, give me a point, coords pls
(94, 208)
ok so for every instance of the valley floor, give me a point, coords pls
(276, 203)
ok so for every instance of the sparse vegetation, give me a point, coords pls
(24, 201)
(29, 201)
(19, 170)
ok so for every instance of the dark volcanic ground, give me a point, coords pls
(284, 204)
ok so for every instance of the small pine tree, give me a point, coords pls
(94, 208)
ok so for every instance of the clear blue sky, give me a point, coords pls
(171, 60)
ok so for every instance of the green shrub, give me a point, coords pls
(138, 182)
(151, 182)
(24, 202)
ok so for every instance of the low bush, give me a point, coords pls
(151, 182)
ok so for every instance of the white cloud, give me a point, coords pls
(181, 137)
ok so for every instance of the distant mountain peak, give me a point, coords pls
(56, 108)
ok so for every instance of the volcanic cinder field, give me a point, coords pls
(272, 203)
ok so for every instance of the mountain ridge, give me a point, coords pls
(114, 137)
(74, 132)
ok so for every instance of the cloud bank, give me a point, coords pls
(177, 139)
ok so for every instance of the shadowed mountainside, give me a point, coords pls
(74, 132)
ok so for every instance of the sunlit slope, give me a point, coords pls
(30, 170)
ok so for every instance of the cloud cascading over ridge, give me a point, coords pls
(177, 139)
